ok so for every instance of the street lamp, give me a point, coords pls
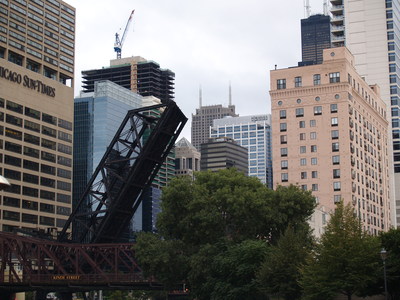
(3, 183)
(384, 256)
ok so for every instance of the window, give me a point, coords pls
(284, 164)
(336, 186)
(334, 134)
(297, 81)
(313, 148)
(335, 147)
(335, 159)
(283, 126)
(302, 136)
(336, 173)
(313, 123)
(317, 110)
(313, 135)
(334, 108)
(314, 187)
(284, 152)
(334, 121)
(283, 139)
(334, 77)
(317, 79)
(282, 114)
(303, 175)
(314, 174)
(303, 161)
(314, 161)
(304, 187)
(337, 198)
(284, 177)
(299, 112)
(303, 149)
(302, 124)
(281, 84)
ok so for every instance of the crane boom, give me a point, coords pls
(119, 42)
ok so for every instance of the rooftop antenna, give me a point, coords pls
(326, 11)
(230, 94)
(200, 98)
(307, 8)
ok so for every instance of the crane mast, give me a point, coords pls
(119, 42)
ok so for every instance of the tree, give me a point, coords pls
(214, 232)
(346, 261)
(280, 272)
(391, 242)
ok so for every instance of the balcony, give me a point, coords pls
(337, 29)
(335, 9)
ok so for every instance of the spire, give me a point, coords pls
(200, 98)
(307, 8)
(326, 11)
(230, 94)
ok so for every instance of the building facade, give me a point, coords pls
(187, 158)
(370, 29)
(315, 37)
(137, 74)
(203, 120)
(253, 133)
(36, 113)
(223, 153)
(330, 137)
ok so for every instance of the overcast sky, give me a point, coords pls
(206, 43)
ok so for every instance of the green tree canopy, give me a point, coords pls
(346, 261)
(391, 242)
(214, 232)
(280, 272)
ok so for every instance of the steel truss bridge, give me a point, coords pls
(95, 255)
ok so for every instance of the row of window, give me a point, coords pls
(33, 113)
(299, 112)
(334, 77)
(283, 126)
(33, 205)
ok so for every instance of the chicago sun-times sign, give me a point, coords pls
(27, 82)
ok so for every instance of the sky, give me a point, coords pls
(208, 44)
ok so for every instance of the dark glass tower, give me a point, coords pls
(315, 37)
(142, 76)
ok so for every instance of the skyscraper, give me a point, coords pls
(36, 112)
(187, 158)
(223, 153)
(315, 36)
(137, 74)
(253, 133)
(330, 137)
(369, 29)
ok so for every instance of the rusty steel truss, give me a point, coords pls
(132, 160)
(35, 264)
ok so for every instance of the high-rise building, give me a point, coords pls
(223, 153)
(36, 112)
(98, 115)
(253, 133)
(369, 29)
(187, 158)
(137, 74)
(329, 135)
(203, 120)
(315, 37)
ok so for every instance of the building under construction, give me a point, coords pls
(136, 74)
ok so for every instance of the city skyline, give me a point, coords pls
(208, 44)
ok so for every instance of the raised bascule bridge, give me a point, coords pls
(93, 255)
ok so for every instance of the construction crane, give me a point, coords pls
(119, 42)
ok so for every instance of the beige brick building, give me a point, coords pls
(36, 112)
(330, 136)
